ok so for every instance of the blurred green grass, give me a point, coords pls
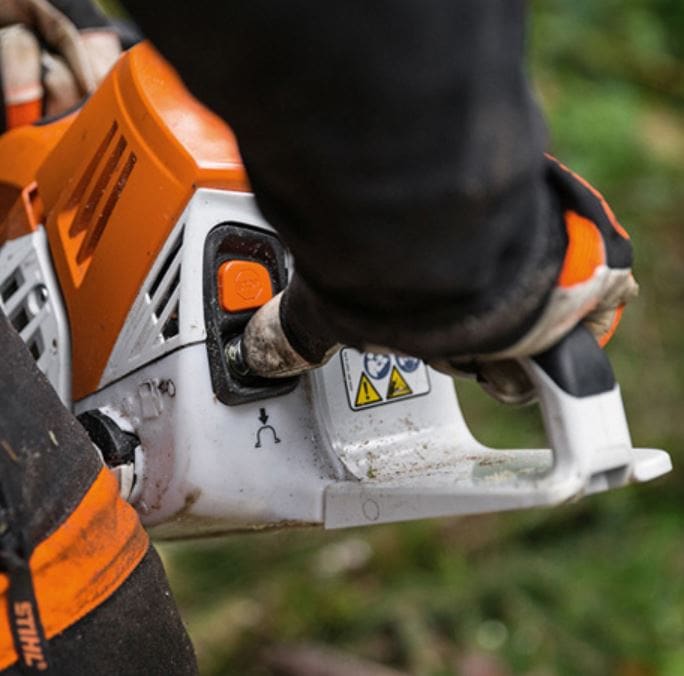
(591, 589)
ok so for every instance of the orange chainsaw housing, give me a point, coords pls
(109, 183)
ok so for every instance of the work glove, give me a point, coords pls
(52, 54)
(593, 287)
(594, 284)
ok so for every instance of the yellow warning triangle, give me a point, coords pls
(398, 387)
(366, 394)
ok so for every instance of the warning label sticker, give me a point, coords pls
(366, 394)
(397, 387)
(375, 379)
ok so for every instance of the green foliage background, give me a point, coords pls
(589, 589)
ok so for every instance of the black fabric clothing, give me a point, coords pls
(47, 463)
(396, 148)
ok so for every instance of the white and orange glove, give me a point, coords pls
(593, 287)
(52, 54)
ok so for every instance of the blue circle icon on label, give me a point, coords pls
(376, 365)
(408, 364)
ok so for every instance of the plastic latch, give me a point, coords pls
(243, 285)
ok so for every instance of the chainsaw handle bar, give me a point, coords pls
(582, 408)
(577, 364)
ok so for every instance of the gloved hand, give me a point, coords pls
(594, 283)
(52, 53)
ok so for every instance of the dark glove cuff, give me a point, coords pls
(576, 194)
(304, 322)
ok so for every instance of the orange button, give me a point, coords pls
(243, 285)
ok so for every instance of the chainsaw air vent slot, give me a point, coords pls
(11, 285)
(165, 265)
(164, 291)
(166, 296)
(20, 319)
(36, 346)
(23, 303)
(170, 328)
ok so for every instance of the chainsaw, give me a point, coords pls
(135, 255)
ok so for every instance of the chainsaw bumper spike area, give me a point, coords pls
(134, 256)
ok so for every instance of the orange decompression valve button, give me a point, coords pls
(243, 285)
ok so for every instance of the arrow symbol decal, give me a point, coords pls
(262, 416)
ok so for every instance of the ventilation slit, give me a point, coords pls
(20, 319)
(163, 292)
(166, 296)
(77, 197)
(11, 285)
(170, 328)
(35, 345)
(170, 257)
(97, 230)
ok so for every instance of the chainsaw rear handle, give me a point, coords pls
(582, 409)
(577, 364)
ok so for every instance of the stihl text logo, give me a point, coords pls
(29, 640)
